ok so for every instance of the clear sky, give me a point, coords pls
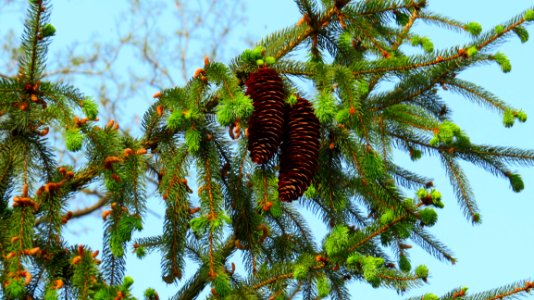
(489, 255)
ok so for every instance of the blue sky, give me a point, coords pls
(489, 255)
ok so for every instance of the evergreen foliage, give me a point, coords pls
(372, 207)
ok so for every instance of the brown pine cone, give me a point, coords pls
(300, 151)
(266, 125)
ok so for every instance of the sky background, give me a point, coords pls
(497, 252)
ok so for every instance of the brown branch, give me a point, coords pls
(199, 282)
(396, 7)
(414, 94)
(89, 209)
(272, 279)
(211, 217)
(404, 34)
(398, 278)
(528, 285)
(33, 59)
(324, 21)
(408, 67)
(296, 291)
(376, 233)
(283, 276)
(359, 168)
(103, 200)
(505, 31)
(460, 54)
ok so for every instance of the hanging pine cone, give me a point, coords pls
(300, 151)
(266, 125)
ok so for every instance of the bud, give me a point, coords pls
(76, 260)
(473, 28)
(48, 30)
(57, 284)
(269, 60)
(267, 206)
(105, 214)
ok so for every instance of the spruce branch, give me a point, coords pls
(507, 291)
(272, 280)
(498, 35)
(448, 23)
(356, 168)
(394, 278)
(431, 245)
(460, 54)
(284, 277)
(462, 187)
(476, 93)
(375, 232)
(38, 9)
(323, 22)
(199, 281)
(370, 8)
(405, 30)
(102, 201)
(406, 67)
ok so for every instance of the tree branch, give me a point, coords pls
(89, 209)
(201, 278)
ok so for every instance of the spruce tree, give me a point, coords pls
(256, 144)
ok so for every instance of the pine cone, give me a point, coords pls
(266, 125)
(300, 151)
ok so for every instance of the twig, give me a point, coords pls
(89, 209)
(324, 21)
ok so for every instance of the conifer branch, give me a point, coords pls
(434, 18)
(102, 201)
(283, 277)
(463, 191)
(295, 291)
(375, 233)
(358, 168)
(428, 63)
(526, 288)
(398, 278)
(501, 34)
(211, 216)
(406, 29)
(360, 124)
(431, 245)
(473, 91)
(383, 139)
(324, 21)
(35, 39)
(201, 278)
(512, 155)
(379, 7)
(272, 280)
(240, 173)
(372, 36)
